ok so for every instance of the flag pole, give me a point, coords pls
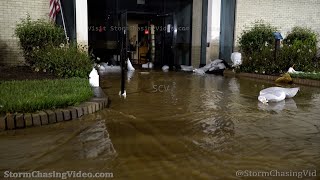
(63, 22)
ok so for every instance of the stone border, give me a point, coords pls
(307, 82)
(40, 118)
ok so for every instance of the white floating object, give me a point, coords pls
(129, 65)
(276, 94)
(101, 68)
(104, 64)
(216, 62)
(290, 92)
(124, 95)
(130, 75)
(151, 65)
(236, 59)
(113, 69)
(272, 97)
(104, 67)
(165, 68)
(186, 68)
(148, 65)
(199, 71)
(94, 78)
(293, 71)
(206, 67)
(213, 68)
(219, 66)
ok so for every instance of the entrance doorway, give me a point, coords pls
(158, 31)
(151, 38)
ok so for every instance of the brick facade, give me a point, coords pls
(196, 33)
(283, 14)
(11, 11)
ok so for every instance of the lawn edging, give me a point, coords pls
(19, 120)
(307, 82)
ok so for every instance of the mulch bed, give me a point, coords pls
(22, 73)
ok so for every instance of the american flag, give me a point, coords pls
(54, 9)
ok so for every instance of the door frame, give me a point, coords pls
(123, 22)
(227, 37)
(204, 33)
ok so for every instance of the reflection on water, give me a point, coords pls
(234, 85)
(95, 140)
(287, 104)
(198, 127)
(214, 133)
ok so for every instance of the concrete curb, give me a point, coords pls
(40, 118)
(307, 82)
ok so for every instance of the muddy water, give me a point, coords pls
(176, 126)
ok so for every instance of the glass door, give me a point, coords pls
(168, 40)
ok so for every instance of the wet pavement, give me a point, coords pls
(176, 126)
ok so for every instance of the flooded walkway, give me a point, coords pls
(176, 126)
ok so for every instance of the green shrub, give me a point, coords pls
(64, 61)
(300, 49)
(36, 35)
(257, 47)
(255, 38)
(261, 61)
(301, 34)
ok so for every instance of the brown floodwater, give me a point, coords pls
(176, 126)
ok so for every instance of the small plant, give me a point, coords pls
(63, 61)
(37, 35)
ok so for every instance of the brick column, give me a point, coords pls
(82, 24)
(196, 33)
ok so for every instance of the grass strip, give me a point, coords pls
(33, 95)
(314, 76)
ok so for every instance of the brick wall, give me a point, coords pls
(11, 11)
(196, 33)
(283, 14)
